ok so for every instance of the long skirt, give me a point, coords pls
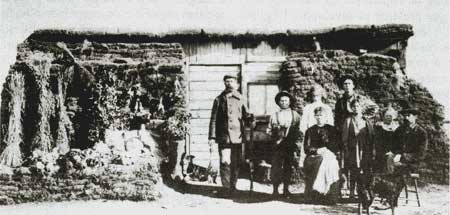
(321, 172)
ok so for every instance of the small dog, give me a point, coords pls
(385, 186)
(388, 187)
(365, 191)
(199, 173)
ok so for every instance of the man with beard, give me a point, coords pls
(226, 129)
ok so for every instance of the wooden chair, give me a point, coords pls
(406, 178)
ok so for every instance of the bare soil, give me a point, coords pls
(201, 199)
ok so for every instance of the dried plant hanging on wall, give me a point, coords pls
(41, 66)
(12, 156)
(64, 124)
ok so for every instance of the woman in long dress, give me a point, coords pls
(321, 167)
(385, 133)
(315, 96)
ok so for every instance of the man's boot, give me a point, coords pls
(352, 189)
(275, 193)
(286, 192)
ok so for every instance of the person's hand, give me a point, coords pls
(211, 141)
(338, 156)
(312, 151)
(296, 159)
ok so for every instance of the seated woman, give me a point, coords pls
(384, 131)
(316, 96)
(321, 167)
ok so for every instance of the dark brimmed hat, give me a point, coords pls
(346, 77)
(413, 111)
(228, 76)
(281, 94)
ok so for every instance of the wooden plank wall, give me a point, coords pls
(205, 84)
(207, 63)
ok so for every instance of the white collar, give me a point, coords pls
(390, 127)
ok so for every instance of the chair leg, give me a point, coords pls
(417, 192)
(393, 205)
(406, 188)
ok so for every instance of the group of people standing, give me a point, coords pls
(330, 147)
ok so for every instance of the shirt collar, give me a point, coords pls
(234, 93)
(285, 110)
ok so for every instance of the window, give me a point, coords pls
(261, 98)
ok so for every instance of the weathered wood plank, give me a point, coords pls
(203, 161)
(210, 85)
(260, 67)
(202, 147)
(256, 58)
(200, 105)
(203, 100)
(199, 130)
(210, 75)
(201, 114)
(198, 139)
(220, 68)
(262, 77)
(200, 122)
(220, 56)
(204, 95)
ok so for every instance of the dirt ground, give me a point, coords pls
(200, 199)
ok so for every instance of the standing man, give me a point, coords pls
(343, 114)
(342, 109)
(226, 128)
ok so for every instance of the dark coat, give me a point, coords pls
(412, 143)
(342, 110)
(385, 140)
(227, 118)
(366, 144)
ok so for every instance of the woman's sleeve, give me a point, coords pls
(330, 118)
(307, 141)
(304, 119)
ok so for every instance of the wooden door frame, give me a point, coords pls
(243, 82)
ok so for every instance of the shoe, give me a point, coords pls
(286, 194)
(275, 194)
(329, 200)
(222, 193)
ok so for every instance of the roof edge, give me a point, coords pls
(387, 31)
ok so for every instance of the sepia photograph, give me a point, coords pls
(218, 107)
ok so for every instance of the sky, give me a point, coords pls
(428, 52)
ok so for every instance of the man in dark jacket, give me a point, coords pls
(226, 128)
(411, 141)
